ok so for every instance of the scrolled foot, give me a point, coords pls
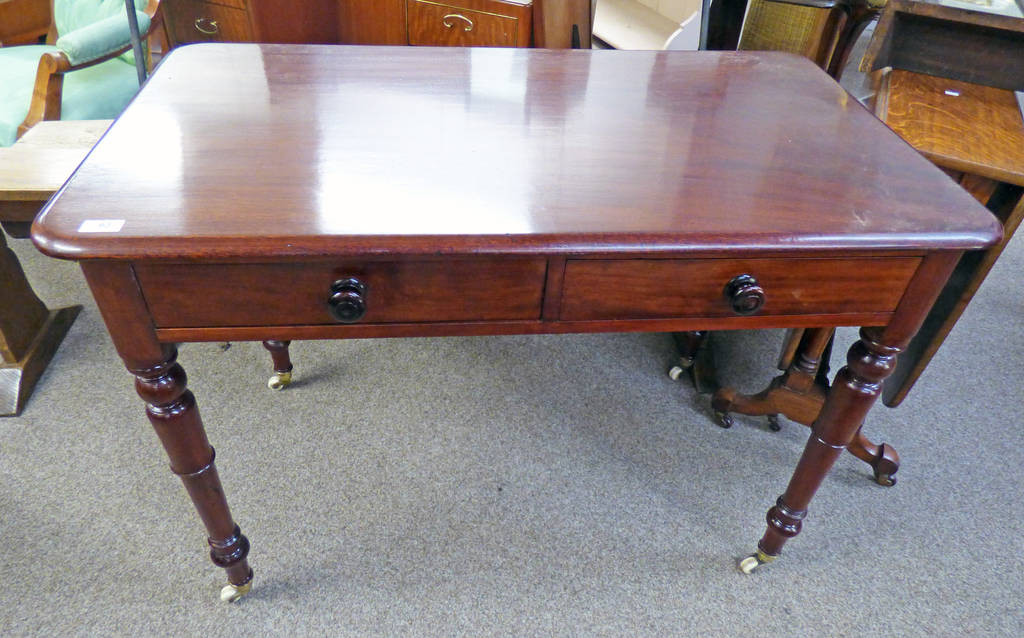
(723, 419)
(773, 423)
(230, 593)
(755, 560)
(280, 381)
(885, 465)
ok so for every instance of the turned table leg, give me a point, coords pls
(856, 387)
(282, 364)
(854, 391)
(172, 410)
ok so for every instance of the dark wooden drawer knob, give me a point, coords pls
(745, 295)
(347, 302)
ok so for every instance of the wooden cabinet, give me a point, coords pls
(311, 21)
(500, 23)
(436, 22)
(23, 21)
(197, 21)
(468, 23)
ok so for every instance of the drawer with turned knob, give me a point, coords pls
(596, 289)
(325, 293)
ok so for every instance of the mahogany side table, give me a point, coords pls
(362, 192)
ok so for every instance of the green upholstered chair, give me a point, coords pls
(89, 72)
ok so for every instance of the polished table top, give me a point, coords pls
(296, 151)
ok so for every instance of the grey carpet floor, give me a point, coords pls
(509, 486)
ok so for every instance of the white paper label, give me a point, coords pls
(101, 226)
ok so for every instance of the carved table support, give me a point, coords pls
(282, 364)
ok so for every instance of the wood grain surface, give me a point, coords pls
(285, 152)
(43, 158)
(963, 126)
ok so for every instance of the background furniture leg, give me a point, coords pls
(799, 393)
(696, 358)
(29, 333)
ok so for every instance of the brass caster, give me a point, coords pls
(280, 381)
(885, 480)
(230, 593)
(755, 560)
(773, 423)
(723, 419)
(675, 372)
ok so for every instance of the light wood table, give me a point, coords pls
(31, 171)
(976, 134)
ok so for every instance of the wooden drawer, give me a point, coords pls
(238, 4)
(471, 23)
(665, 288)
(196, 21)
(296, 294)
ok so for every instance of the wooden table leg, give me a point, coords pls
(282, 364)
(29, 333)
(799, 394)
(696, 358)
(857, 385)
(171, 408)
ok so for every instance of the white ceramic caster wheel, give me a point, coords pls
(675, 372)
(755, 560)
(231, 593)
(280, 381)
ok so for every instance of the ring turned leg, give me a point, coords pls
(852, 394)
(282, 364)
(172, 410)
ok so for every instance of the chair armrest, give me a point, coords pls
(100, 39)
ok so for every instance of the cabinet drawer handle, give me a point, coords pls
(212, 29)
(745, 295)
(347, 301)
(446, 21)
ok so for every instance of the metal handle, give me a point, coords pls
(347, 302)
(214, 27)
(745, 295)
(448, 23)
